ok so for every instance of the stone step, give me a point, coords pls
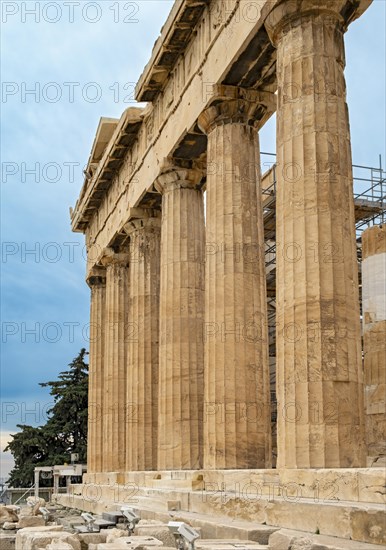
(129, 542)
(349, 520)
(84, 529)
(358, 521)
(7, 542)
(364, 485)
(225, 544)
(191, 484)
(212, 528)
(287, 539)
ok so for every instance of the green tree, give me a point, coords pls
(65, 431)
(29, 448)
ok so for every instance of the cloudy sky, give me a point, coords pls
(64, 65)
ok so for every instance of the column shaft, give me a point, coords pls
(95, 439)
(117, 273)
(374, 340)
(143, 349)
(319, 368)
(237, 410)
(181, 318)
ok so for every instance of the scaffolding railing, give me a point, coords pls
(373, 197)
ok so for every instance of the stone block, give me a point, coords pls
(87, 539)
(285, 539)
(173, 505)
(32, 501)
(369, 526)
(10, 526)
(26, 511)
(14, 507)
(31, 521)
(35, 538)
(159, 531)
(327, 519)
(228, 544)
(288, 539)
(371, 485)
(7, 515)
(58, 544)
(130, 542)
(235, 530)
(320, 484)
(7, 542)
(46, 529)
(113, 534)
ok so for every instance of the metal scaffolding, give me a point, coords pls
(369, 199)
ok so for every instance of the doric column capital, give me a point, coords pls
(286, 13)
(149, 223)
(177, 174)
(231, 104)
(110, 258)
(96, 277)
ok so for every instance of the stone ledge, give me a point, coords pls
(7, 542)
(349, 520)
(286, 539)
(363, 485)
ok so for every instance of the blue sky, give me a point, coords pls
(83, 60)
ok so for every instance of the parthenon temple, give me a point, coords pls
(238, 315)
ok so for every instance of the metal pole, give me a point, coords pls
(56, 484)
(37, 477)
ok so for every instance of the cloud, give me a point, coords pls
(5, 438)
(6, 461)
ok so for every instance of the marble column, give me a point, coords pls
(181, 355)
(95, 449)
(237, 426)
(117, 281)
(319, 366)
(374, 340)
(143, 349)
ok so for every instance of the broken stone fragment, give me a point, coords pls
(114, 534)
(58, 544)
(30, 521)
(7, 515)
(9, 526)
(34, 538)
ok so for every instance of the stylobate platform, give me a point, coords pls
(346, 503)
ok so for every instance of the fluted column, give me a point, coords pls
(374, 340)
(181, 317)
(143, 350)
(95, 440)
(237, 427)
(319, 368)
(117, 279)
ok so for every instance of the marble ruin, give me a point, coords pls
(180, 360)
